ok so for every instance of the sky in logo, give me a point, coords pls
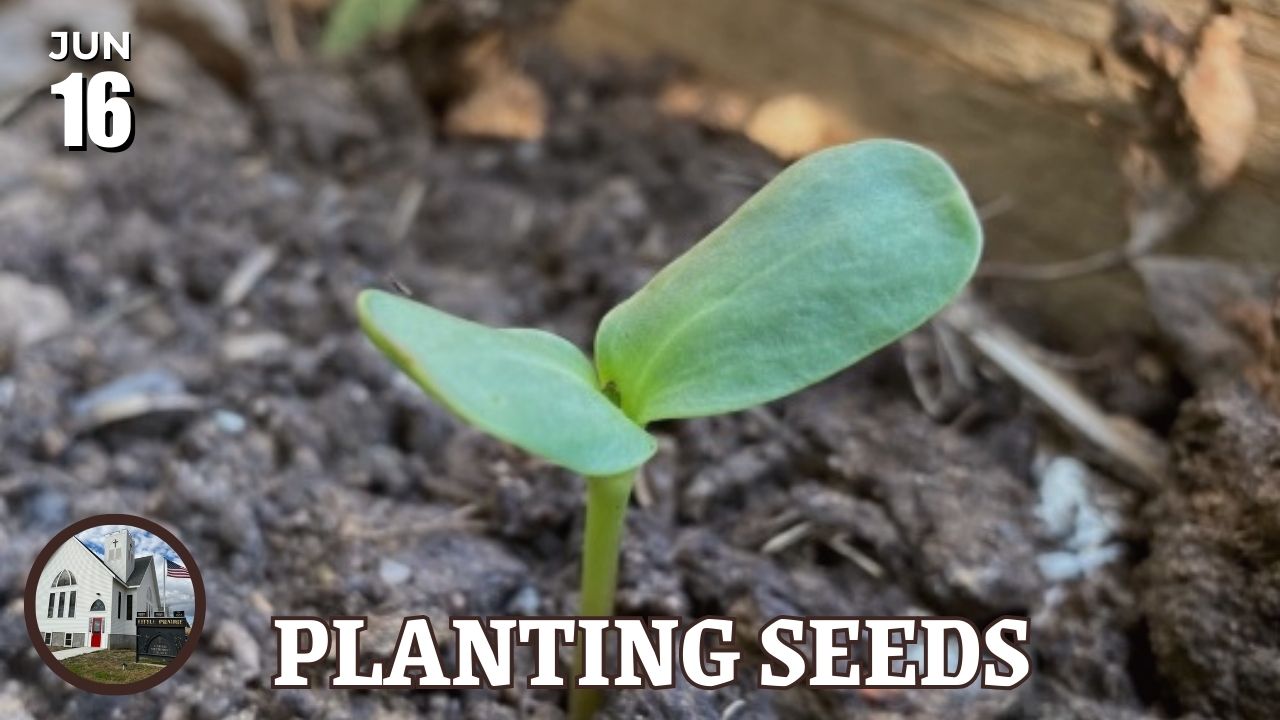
(178, 593)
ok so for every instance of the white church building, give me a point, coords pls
(88, 600)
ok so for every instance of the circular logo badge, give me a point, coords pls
(114, 604)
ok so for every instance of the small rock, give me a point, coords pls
(151, 392)
(31, 312)
(393, 572)
(13, 704)
(253, 346)
(46, 508)
(233, 639)
(147, 382)
(525, 602)
(229, 422)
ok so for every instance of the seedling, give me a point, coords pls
(842, 253)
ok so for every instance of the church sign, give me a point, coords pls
(160, 639)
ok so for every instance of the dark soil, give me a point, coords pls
(309, 478)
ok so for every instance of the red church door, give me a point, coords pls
(95, 631)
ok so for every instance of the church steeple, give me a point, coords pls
(118, 548)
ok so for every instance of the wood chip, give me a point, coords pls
(406, 210)
(787, 538)
(243, 279)
(794, 125)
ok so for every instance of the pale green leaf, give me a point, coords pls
(839, 255)
(530, 388)
(352, 22)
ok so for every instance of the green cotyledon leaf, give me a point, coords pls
(842, 253)
(528, 387)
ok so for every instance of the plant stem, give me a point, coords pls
(607, 499)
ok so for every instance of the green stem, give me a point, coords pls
(607, 499)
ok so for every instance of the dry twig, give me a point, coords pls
(1139, 452)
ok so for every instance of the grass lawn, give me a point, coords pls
(110, 666)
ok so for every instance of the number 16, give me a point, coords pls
(101, 102)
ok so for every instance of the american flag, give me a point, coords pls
(174, 570)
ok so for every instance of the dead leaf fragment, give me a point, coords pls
(508, 106)
(503, 101)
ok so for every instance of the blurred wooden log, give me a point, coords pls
(1008, 90)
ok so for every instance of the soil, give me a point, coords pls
(307, 477)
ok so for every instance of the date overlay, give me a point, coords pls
(95, 106)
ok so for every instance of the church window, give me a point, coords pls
(71, 606)
(64, 579)
(62, 603)
(97, 606)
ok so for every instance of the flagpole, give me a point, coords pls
(164, 600)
